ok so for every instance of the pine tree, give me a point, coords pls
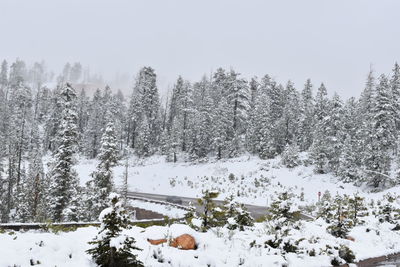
(238, 100)
(288, 124)
(21, 213)
(144, 146)
(83, 117)
(112, 248)
(103, 175)
(366, 128)
(36, 183)
(64, 179)
(382, 136)
(52, 118)
(335, 133)
(212, 215)
(284, 209)
(325, 208)
(341, 223)
(221, 128)
(144, 113)
(272, 142)
(237, 216)
(320, 148)
(201, 136)
(269, 108)
(357, 209)
(290, 156)
(306, 117)
(348, 169)
(395, 98)
(180, 116)
(94, 127)
(16, 124)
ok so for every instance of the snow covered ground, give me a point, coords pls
(251, 180)
(216, 248)
(254, 180)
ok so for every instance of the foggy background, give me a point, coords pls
(334, 42)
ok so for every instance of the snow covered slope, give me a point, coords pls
(253, 181)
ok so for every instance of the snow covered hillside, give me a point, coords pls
(250, 179)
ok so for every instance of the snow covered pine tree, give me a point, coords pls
(112, 248)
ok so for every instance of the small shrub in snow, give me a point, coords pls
(325, 208)
(357, 209)
(346, 254)
(284, 209)
(336, 261)
(212, 215)
(341, 222)
(236, 214)
(387, 211)
(111, 248)
(172, 182)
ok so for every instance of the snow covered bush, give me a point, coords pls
(341, 222)
(357, 209)
(111, 247)
(212, 215)
(387, 211)
(284, 209)
(236, 214)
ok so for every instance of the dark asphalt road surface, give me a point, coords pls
(255, 211)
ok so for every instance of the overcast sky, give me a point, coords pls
(330, 41)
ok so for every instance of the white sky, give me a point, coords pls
(334, 41)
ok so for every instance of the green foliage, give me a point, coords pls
(335, 261)
(284, 209)
(357, 209)
(236, 214)
(113, 221)
(346, 254)
(190, 215)
(288, 246)
(212, 215)
(341, 222)
(386, 209)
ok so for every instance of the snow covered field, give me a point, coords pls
(215, 248)
(254, 180)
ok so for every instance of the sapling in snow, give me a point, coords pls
(341, 222)
(357, 209)
(237, 216)
(212, 215)
(112, 248)
(387, 211)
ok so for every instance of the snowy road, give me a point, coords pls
(256, 211)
